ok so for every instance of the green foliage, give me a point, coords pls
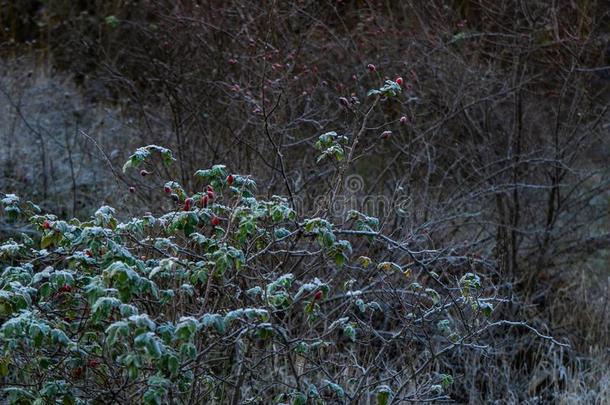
(383, 394)
(389, 89)
(143, 153)
(163, 306)
(112, 21)
(331, 145)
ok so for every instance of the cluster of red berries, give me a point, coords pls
(66, 288)
(205, 198)
(78, 372)
(188, 204)
(93, 363)
(210, 192)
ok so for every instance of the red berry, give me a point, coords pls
(318, 295)
(371, 67)
(188, 203)
(132, 189)
(144, 173)
(209, 188)
(93, 363)
(403, 120)
(89, 253)
(215, 221)
(230, 179)
(47, 224)
(77, 372)
(211, 195)
(204, 201)
(386, 134)
(399, 81)
(65, 288)
(167, 189)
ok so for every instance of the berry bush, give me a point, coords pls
(227, 297)
(482, 147)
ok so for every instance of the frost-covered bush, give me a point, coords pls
(226, 297)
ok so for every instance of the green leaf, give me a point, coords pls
(186, 328)
(446, 380)
(336, 388)
(114, 331)
(361, 306)
(4, 363)
(350, 331)
(143, 153)
(389, 267)
(112, 21)
(365, 261)
(298, 398)
(188, 351)
(383, 394)
(58, 336)
(433, 294)
(47, 240)
(173, 364)
(486, 307)
(214, 320)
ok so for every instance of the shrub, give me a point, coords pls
(226, 296)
